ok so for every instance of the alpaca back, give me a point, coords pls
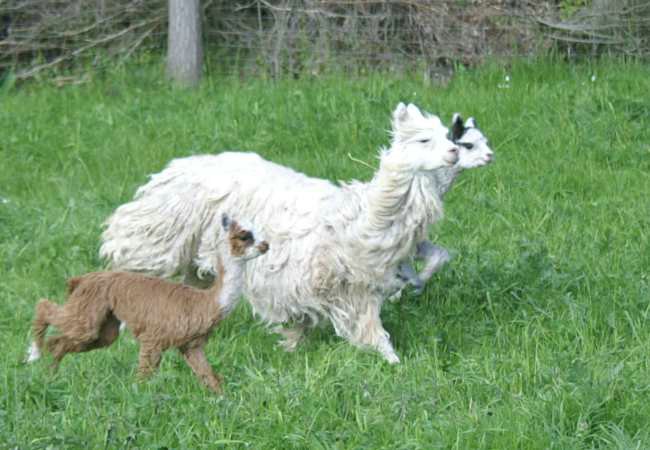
(174, 221)
(148, 304)
(165, 228)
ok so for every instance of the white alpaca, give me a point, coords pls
(334, 251)
(474, 152)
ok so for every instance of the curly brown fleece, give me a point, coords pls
(160, 314)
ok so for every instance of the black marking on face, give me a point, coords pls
(457, 128)
(246, 236)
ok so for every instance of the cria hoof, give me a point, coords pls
(418, 287)
(395, 297)
(288, 345)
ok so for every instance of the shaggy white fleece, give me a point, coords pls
(334, 250)
(474, 152)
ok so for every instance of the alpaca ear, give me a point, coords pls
(405, 114)
(225, 222)
(471, 123)
(400, 115)
(414, 111)
(457, 128)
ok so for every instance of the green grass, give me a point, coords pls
(536, 336)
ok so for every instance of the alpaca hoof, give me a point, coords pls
(392, 359)
(215, 385)
(288, 345)
(386, 350)
(33, 353)
(418, 287)
(446, 256)
(395, 297)
(292, 337)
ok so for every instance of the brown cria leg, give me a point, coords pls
(109, 331)
(195, 358)
(149, 360)
(79, 336)
(61, 345)
(44, 310)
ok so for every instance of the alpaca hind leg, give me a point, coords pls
(61, 345)
(43, 311)
(196, 359)
(108, 332)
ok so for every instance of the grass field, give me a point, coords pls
(536, 336)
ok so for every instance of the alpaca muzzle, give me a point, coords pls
(263, 247)
(452, 155)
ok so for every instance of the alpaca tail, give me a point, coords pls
(43, 312)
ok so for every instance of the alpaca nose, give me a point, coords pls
(263, 247)
(489, 157)
(452, 155)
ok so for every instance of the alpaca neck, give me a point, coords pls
(391, 214)
(387, 193)
(444, 178)
(228, 285)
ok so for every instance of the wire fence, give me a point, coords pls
(294, 37)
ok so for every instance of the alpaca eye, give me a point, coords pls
(246, 237)
(467, 145)
(424, 141)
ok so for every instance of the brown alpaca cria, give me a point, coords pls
(160, 314)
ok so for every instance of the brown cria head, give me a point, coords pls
(240, 239)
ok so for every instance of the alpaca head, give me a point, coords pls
(242, 242)
(422, 138)
(474, 150)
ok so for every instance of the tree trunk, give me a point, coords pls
(185, 49)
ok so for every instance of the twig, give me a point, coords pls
(137, 43)
(358, 161)
(34, 70)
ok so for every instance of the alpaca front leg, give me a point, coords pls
(196, 359)
(150, 356)
(407, 273)
(434, 258)
(369, 332)
(380, 341)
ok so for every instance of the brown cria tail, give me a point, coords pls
(73, 283)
